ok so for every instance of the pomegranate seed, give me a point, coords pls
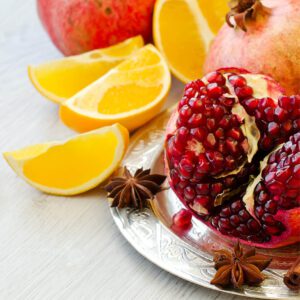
(219, 133)
(215, 221)
(224, 224)
(271, 230)
(236, 206)
(202, 200)
(280, 114)
(271, 207)
(189, 193)
(216, 188)
(196, 120)
(183, 219)
(259, 211)
(211, 140)
(235, 133)
(235, 220)
(216, 77)
(214, 91)
(199, 133)
(227, 101)
(244, 92)
(268, 219)
(237, 81)
(243, 229)
(232, 145)
(251, 104)
(210, 124)
(244, 215)
(266, 102)
(225, 212)
(202, 188)
(185, 112)
(253, 225)
(285, 103)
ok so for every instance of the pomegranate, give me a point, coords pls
(261, 36)
(77, 26)
(224, 126)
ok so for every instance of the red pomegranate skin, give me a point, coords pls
(77, 26)
(270, 46)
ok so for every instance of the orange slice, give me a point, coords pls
(131, 94)
(183, 30)
(60, 79)
(72, 166)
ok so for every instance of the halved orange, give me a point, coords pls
(130, 94)
(60, 79)
(73, 166)
(183, 30)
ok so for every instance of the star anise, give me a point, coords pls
(238, 268)
(134, 190)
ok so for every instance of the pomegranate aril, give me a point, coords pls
(214, 90)
(196, 120)
(224, 224)
(235, 220)
(216, 77)
(243, 229)
(235, 133)
(244, 92)
(203, 201)
(237, 81)
(285, 102)
(202, 189)
(272, 230)
(215, 221)
(183, 219)
(273, 128)
(237, 206)
(185, 112)
(271, 207)
(253, 225)
(189, 193)
(268, 219)
(244, 215)
(225, 212)
(251, 104)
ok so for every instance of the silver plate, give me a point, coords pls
(185, 254)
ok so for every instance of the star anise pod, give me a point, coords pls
(134, 190)
(237, 268)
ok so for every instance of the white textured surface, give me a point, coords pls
(51, 247)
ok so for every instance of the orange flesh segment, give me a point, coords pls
(182, 44)
(45, 169)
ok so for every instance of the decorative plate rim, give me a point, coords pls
(146, 233)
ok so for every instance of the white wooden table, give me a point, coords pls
(53, 247)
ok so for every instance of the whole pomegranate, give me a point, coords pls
(229, 128)
(261, 36)
(77, 26)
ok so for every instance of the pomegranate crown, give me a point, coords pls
(242, 11)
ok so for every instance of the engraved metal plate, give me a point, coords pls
(185, 254)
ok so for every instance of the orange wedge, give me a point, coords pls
(60, 79)
(72, 166)
(130, 94)
(183, 30)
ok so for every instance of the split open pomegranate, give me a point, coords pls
(233, 156)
